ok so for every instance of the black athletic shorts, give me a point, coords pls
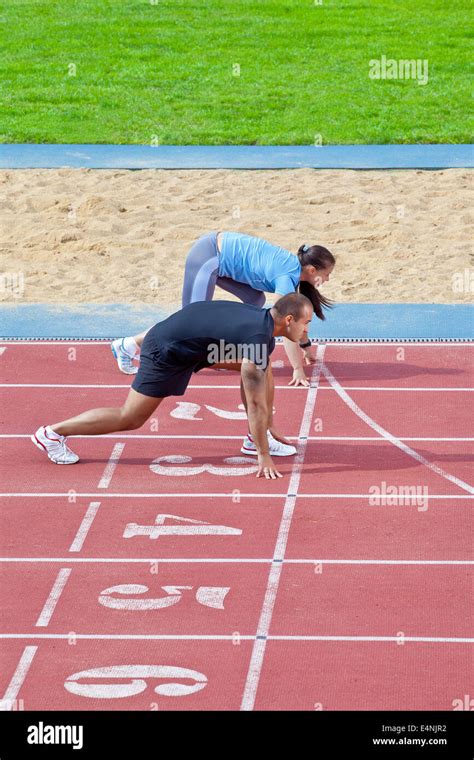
(180, 345)
(156, 376)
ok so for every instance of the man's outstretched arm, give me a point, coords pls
(254, 385)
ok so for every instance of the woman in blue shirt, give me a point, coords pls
(248, 267)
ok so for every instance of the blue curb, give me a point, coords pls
(378, 322)
(31, 156)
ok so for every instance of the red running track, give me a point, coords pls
(159, 573)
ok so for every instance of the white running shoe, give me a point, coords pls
(276, 448)
(54, 445)
(124, 360)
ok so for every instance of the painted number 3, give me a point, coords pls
(170, 465)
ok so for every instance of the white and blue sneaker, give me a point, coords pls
(124, 359)
(275, 448)
(54, 445)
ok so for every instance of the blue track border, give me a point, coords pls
(346, 322)
(49, 156)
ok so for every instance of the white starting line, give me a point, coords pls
(18, 678)
(53, 598)
(230, 495)
(227, 637)
(83, 530)
(237, 386)
(232, 561)
(111, 465)
(105, 342)
(170, 437)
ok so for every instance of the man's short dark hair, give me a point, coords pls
(292, 303)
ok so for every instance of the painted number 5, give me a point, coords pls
(137, 683)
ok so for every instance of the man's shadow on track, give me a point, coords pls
(365, 457)
(321, 457)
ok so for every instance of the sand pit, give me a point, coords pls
(100, 236)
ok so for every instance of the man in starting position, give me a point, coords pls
(219, 334)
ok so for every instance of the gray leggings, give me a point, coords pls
(201, 275)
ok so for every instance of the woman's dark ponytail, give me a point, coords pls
(320, 258)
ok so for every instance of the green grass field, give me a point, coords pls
(164, 71)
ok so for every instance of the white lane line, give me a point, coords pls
(226, 387)
(380, 561)
(53, 598)
(83, 530)
(397, 388)
(239, 437)
(389, 343)
(434, 639)
(137, 560)
(372, 438)
(61, 342)
(111, 465)
(6, 702)
(37, 495)
(227, 637)
(2, 349)
(258, 651)
(391, 438)
(238, 560)
(63, 385)
(394, 343)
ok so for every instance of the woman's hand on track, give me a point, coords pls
(310, 355)
(299, 378)
(267, 468)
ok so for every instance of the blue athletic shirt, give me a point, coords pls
(263, 266)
